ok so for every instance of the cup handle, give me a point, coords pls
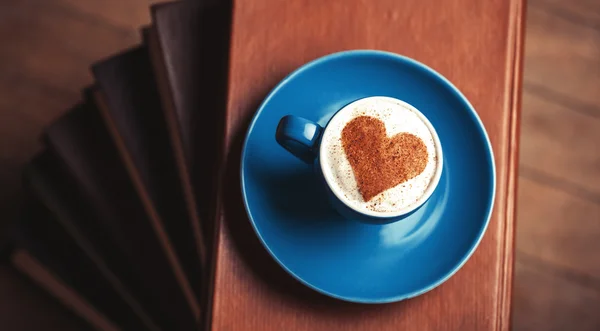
(299, 136)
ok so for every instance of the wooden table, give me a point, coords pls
(477, 45)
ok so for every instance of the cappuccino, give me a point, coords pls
(380, 155)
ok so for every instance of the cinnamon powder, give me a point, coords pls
(378, 162)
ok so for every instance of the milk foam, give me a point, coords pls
(398, 117)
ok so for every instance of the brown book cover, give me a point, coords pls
(477, 46)
(129, 102)
(189, 44)
(60, 232)
(83, 144)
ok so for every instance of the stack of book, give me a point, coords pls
(116, 226)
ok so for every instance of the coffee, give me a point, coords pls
(379, 155)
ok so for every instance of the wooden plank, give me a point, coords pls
(55, 45)
(558, 227)
(583, 12)
(560, 142)
(545, 300)
(556, 280)
(562, 54)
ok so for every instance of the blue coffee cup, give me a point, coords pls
(302, 138)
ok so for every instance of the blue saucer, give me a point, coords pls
(344, 258)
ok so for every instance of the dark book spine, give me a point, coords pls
(84, 146)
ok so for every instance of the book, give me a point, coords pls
(189, 44)
(130, 245)
(268, 41)
(128, 100)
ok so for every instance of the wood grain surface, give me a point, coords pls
(564, 52)
(566, 239)
(270, 40)
(552, 301)
(557, 278)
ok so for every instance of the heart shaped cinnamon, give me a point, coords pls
(378, 162)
